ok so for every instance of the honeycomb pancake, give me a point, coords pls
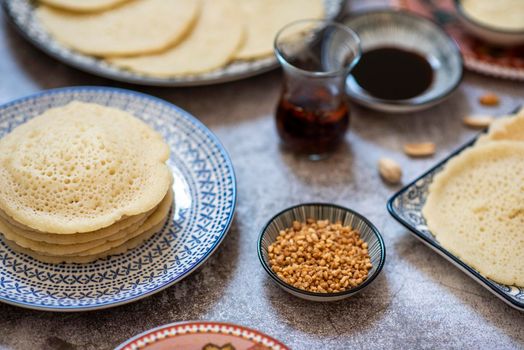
(97, 246)
(26, 239)
(83, 5)
(510, 128)
(475, 208)
(216, 37)
(264, 18)
(74, 238)
(135, 27)
(80, 168)
(132, 243)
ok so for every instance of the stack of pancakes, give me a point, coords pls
(82, 182)
(167, 38)
(475, 206)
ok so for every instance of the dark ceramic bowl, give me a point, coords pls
(333, 213)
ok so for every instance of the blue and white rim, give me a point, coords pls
(204, 180)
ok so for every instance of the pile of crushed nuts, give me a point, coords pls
(320, 257)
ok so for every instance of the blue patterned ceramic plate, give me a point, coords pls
(323, 211)
(406, 207)
(205, 197)
(21, 13)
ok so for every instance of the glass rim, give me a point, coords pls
(331, 73)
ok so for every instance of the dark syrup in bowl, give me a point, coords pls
(391, 73)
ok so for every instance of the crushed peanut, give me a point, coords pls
(478, 121)
(489, 99)
(320, 257)
(423, 149)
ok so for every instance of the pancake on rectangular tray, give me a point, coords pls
(508, 128)
(81, 182)
(475, 209)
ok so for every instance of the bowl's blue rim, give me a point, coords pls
(351, 291)
(463, 14)
(408, 102)
(197, 123)
(474, 274)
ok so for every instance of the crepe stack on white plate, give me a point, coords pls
(475, 206)
(169, 38)
(82, 182)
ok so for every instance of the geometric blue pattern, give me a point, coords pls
(205, 198)
(406, 207)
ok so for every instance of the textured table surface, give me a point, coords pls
(418, 301)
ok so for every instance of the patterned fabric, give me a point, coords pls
(205, 196)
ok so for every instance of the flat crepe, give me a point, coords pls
(212, 43)
(95, 246)
(83, 5)
(80, 168)
(135, 27)
(475, 209)
(265, 18)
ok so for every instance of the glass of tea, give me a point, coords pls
(316, 56)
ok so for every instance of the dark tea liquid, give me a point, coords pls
(392, 73)
(308, 128)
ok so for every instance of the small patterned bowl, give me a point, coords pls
(333, 213)
(490, 34)
(402, 29)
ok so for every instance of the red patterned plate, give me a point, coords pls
(202, 336)
(478, 56)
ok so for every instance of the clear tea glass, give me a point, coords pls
(316, 56)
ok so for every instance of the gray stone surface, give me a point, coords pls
(418, 301)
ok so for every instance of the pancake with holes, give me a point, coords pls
(475, 208)
(82, 180)
(508, 128)
(133, 28)
(213, 42)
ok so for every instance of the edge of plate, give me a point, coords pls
(197, 264)
(127, 342)
(441, 250)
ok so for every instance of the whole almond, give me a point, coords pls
(389, 170)
(477, 121)
(489, 99)
(423, 149)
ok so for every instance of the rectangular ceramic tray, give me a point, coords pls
(406, 207)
